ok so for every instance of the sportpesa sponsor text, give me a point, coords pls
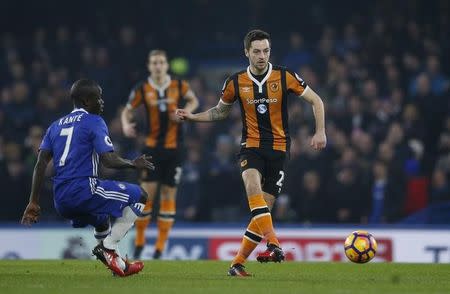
(262, 100)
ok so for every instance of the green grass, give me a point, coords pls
(181, 277)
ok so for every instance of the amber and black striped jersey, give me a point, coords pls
(159, 103)
(264, 105)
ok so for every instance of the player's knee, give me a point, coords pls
(252, 188)
(144, 196)
(252, 182)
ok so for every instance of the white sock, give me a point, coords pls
(120, 227)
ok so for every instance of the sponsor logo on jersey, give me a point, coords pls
(262, 100)
(262, 108)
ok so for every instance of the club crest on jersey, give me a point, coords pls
(274, 87)
(262, 108)
(243, 163)
(121, 186)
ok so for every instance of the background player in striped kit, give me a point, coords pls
(262, 91)
(161, 95)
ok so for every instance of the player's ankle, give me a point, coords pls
(109, 245)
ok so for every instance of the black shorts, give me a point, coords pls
(270, 163)
(168, 166)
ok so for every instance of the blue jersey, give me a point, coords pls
(75, 141)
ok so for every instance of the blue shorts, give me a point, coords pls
(92, 201)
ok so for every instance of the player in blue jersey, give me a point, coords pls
(76, 143)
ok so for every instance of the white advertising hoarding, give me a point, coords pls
(316, 244)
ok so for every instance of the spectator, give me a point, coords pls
(188, 196)
(224, 203)
(308, 201)
(439, 82)
(440, 189)
(20, 111)
(298, 55)
(346, 194)
(380, 179)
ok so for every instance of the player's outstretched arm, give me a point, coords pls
(113, 160)
(319, 140)
(33, 210)
(218, 112)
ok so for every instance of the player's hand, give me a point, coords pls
(129, 130)
(143, 162)
(319, 141)
(184, 114)
(31, 214)
(174, 117)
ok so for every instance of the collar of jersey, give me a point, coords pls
(162, 88)
(79, 109)
(258, 83)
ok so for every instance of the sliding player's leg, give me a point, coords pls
(124, 202)
(102, 230)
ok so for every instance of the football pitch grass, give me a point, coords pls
(85, 277)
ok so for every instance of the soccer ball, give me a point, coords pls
(360, 247)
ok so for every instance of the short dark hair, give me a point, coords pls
(156, 52)
(84, 88)
(255, 35)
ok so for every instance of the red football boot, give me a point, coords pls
(109, 258)
(132, 268)
(273, 253)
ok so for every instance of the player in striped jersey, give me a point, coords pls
(161, 95)
(262, 91)
(77, 143)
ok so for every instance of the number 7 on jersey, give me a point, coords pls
(66, 132)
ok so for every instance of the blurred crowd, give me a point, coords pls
(385, 85)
